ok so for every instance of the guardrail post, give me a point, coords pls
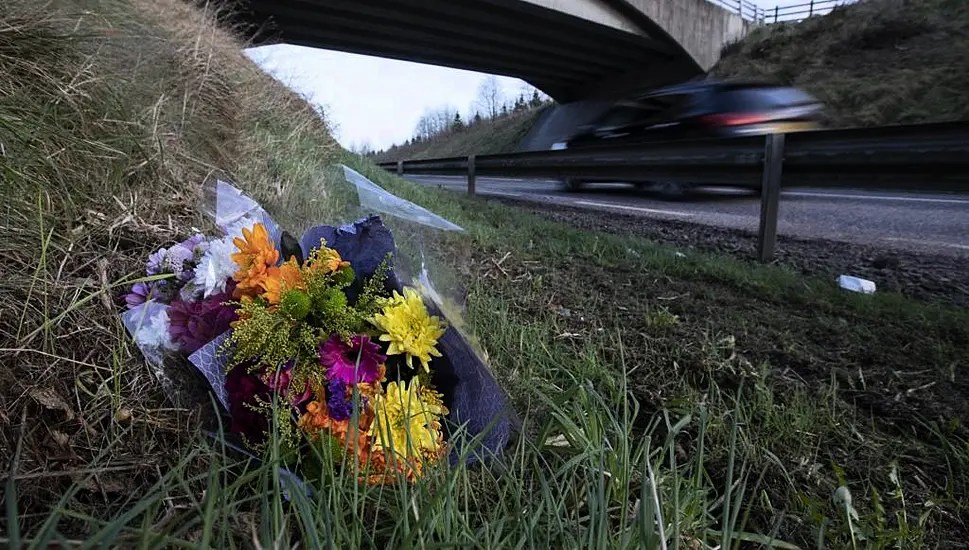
(770, 196)
(471, 175)
(776, 8)
(400, 168)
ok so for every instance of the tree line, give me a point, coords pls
(490, 105)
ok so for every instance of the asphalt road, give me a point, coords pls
(915, 222)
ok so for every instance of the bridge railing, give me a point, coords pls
(750, 11)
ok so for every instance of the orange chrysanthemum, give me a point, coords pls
(255, 256)
(280, 279)
(316, 420)
(386, 467)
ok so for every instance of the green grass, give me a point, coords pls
(668, 402)
(831, 382)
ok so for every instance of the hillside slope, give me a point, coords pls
(485, 138)
(874, 62)
(113, 113)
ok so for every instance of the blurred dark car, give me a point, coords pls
(698, 110)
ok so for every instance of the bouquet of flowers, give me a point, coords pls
(321, 329)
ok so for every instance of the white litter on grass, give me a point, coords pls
(856, 284)
(680, 255)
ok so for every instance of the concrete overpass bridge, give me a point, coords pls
(570, 49)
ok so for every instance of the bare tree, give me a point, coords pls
(443, 119)
(363, 148)
(435, 121)
(490, 97)
(427, 125)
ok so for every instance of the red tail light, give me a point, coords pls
(734, 119)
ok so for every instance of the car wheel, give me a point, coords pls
(673, 190)
(572, 184)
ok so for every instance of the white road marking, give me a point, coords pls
(636, 208)
(501, 193)
(931, 243)
(874, 197)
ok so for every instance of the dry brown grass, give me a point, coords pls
(112, 115)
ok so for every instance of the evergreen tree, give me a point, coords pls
(536, 100)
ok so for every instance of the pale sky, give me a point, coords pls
(379, 101)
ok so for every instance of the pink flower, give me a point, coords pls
(351, 364)
(283, 379)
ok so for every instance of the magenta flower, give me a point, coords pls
(283, 379)
(351, 364)
(194, 324)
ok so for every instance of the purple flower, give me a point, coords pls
(194, 324)
(283, 380)
(243, 389)
(172, 260)
(340, 402)
(193, 241)
(154, 264)
(358, 362)
(139, 294)
(175, 259)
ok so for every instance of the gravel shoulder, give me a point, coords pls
(931, 277)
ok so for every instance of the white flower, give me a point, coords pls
(216, 266)
(154, 335)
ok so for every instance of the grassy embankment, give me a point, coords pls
(488, 137)
(730, 400)
(872, 63)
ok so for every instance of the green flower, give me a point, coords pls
(331, 302)
(296, 304)
(344, 276)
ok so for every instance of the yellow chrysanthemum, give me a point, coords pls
(405, 423)
(407, 326)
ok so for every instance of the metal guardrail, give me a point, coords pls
(921, 157)
(750, 11)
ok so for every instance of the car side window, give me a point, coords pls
(647, 112)
(666, 109)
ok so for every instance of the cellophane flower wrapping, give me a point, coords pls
(354, 329)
